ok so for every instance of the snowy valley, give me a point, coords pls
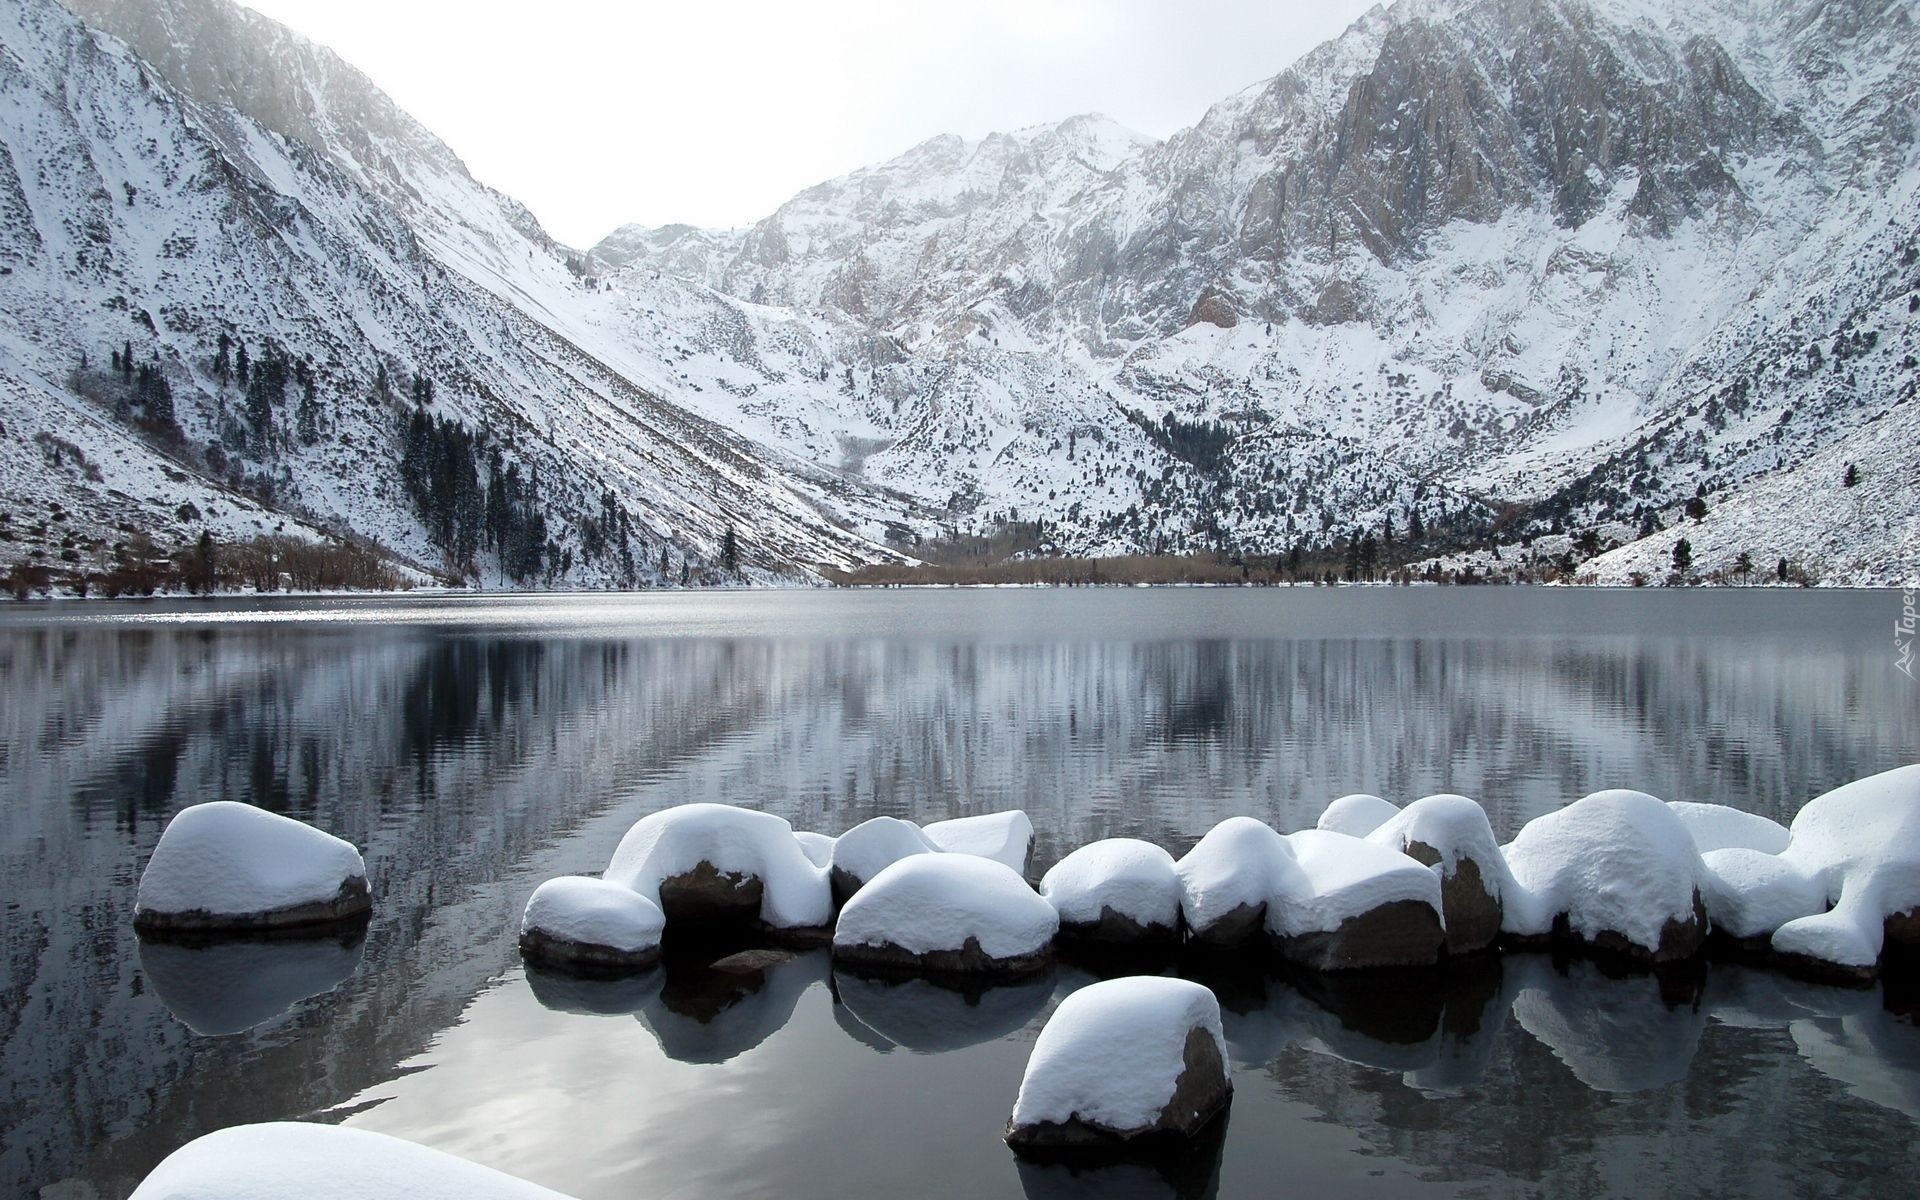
(1571, 278)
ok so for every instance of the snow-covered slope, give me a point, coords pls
(1574, 253)
(136, 215)
(1476, 270)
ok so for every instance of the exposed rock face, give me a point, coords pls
(1235, 928)
(1400, 933)
(562, 953)
(1580, 252)
(708, 894)
(1113, 930)
(967, 959)
(352, 904)
(1471, 908)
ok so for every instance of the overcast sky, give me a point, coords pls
(599, 113)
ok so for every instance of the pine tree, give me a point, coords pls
(242, 366)
(126, 362)
(1780, 572)
(730, 552)
(223, 360)
(1851, 477)
(1682, 557)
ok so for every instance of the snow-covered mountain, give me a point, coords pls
(1591, 256)
(323, 230)
(1485, 270)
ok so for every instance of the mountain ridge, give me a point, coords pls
(1496, 270)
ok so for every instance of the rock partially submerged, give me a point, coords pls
(1124, 1065)
(946, 914)
(1355, 905)
(226, 867)
(870, 848)
(1229, 877)
(1616, 871)
(1119, 892)
(1859, 847)
(292, 1160)
(1004, 837)
(712, 864)
(583, 923)
(1452, 836)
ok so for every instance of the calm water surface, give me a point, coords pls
(474, 747)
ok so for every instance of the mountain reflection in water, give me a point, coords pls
(473, 750)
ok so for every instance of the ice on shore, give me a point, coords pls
(703, 862)
(224, 865)
(1140, 1057)
(946, 913)
(292, 1160)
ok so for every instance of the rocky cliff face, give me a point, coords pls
(1589, 258)
(1579, 254)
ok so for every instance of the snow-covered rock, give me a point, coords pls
(1119, 891)
(1124, 1063)
(818, 847)
(870, 848)
(1004, 837)
(1355, 904)
(1859, 845)
(1356, 815)
(292, 1160)
(1451, 834)
(947, 913)
(230, 866)
(1616, 870)
(1228, 878)
(1748, 893)
(1721, 827)
(577, 921)
(714, 862)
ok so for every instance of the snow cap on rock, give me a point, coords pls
(1124, 1058)
(232, 861)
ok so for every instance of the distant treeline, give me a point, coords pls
(263, 564)
(1119, 570)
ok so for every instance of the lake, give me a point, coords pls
(474, 746)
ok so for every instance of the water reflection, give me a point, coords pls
(926, 1017)
(473, 750)
(228, 987)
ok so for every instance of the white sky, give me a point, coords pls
(599, 113)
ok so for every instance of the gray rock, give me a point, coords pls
(351, 905)
(1400, 933)
(1201, 1094)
